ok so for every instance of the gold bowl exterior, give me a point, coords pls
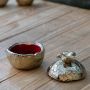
(26, 61)
(3, 3)
(24, 2)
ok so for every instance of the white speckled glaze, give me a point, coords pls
(66, 73)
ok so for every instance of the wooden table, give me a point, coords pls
(58, 27)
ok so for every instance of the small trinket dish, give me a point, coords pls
(25, 55)
(24, 2)
(67, 68)
(3, 3)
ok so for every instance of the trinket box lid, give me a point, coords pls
(67, 68)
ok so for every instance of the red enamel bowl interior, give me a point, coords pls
(25, 49)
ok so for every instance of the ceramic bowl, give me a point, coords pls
(24, 2)
(3, 3)
(25, 55)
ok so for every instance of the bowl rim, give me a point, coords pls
(27, 43)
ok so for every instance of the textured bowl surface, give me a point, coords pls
(24, 2)
(28, 57)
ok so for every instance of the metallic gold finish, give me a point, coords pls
(67, 68)
(3, 3)
(24, 2)
(26, 61)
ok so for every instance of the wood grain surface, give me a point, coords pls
(58, 27)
